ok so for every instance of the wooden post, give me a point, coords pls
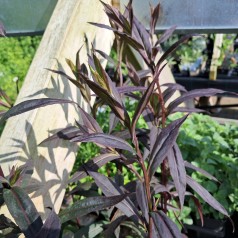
(63, 37)
(215, 56)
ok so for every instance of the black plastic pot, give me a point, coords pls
(212, 229)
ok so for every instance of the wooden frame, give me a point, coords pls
(53, 162)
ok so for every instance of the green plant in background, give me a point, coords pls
(212, 147)
(228, 57)
(189, 52)
(16, 55)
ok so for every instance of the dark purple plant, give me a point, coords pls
(163, 180)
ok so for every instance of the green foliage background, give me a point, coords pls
(16, 54)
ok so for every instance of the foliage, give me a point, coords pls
(213, 147)
(15, 57)
(142, 204)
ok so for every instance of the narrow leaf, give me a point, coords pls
(206, 196)
(129, 89)
(23, 211)
(89, 121)
(141, 106)
(164, 143)
(172, 49)
(178, 172)
(92, 204)
(116, 107)
(199, 208)
(105, 140)
(94, 165)
(29, 105)
(115, 16)
(77, 83)
(109, 188)
(110, 229)
(67, 134)
(113, 121)
(51, 227)
(202, 171)
(127, 38)
(140, 33)
(132, 73)
(166, 35)
(164, 226)
(142, 200)
(207, 92)
(154, 18)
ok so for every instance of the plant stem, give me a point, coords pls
(147, 184)
(164, 163)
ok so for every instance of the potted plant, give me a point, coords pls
(159, 185)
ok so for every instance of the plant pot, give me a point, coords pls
(212, 229)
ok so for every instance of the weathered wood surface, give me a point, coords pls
(63, 37)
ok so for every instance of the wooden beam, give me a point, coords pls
(53, 162)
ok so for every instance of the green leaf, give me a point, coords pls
(23, 211)
(92, 204)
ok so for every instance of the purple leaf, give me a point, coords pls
(30, 105)
(105, 79)
(106, 56)
(66, 134)
(132, 73)
(89, 121)
(118, 18)
(188, 110)
(111, 227)
(129, 89)
(116, 107)
(164, 226)
(23, 211)
(199, 208)
(159, 188)
(93, 164)
(109, 188)
(77, 83)
(92, 204)
(154, 18)
(164, 142)
(105, 140)
(127, 38)
(177, 171)
(192, 94)
(141, 106)
(172, 49)
(206, 196)
(113, 121)
(142, 36)
(172, 88)
(191, 166)
(51, 227)
(166, 35)
(148, 117)
(142, 200)
(2, 30)
(154, 132)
